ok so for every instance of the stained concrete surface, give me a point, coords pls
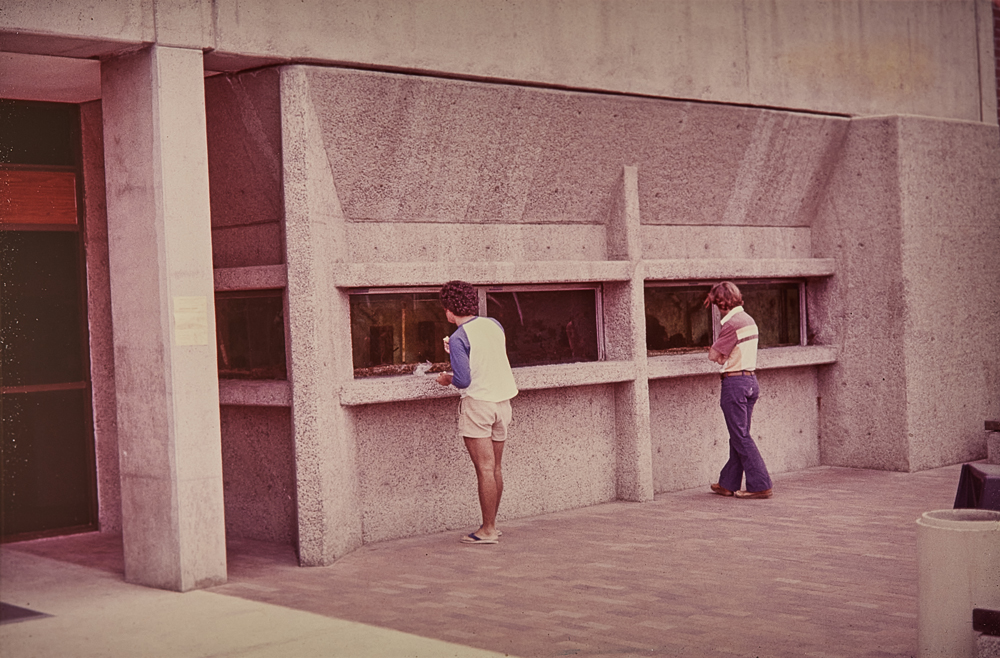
(828, 567)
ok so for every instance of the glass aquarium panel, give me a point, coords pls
(547, 326)
(676, 319)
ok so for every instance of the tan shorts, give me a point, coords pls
(483, 420)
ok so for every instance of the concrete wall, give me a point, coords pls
(950, 200)
(449, 172)
(440, 153)
(912, 219)
(258, 471)
(690, 440)
(416, 476)
(861, 309)
(243, 118)
(446, 171)
(245, 178)
(862, 57)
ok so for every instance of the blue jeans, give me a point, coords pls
(739, 394)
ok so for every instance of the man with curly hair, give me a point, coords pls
(736, 351)
(481, 371)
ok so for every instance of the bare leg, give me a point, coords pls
(498, 473)
(484, 459)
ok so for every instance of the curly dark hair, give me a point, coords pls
(460, 298)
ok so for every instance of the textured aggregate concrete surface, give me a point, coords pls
(872, 57)
(828, 567)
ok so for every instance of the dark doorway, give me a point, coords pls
(48, 470)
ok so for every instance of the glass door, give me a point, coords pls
(47, 462)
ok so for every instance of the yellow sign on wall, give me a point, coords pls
(190, 321)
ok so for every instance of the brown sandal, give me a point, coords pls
(766, 493)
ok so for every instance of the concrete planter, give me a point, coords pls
(958, 560)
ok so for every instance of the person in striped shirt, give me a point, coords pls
(736, 351)
(481, 371)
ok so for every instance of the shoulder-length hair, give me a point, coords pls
(725, 295)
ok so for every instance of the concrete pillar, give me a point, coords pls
(625, 322)
(319, 335)
(163, 313)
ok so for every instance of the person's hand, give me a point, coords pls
(444, 378)
(446, 346)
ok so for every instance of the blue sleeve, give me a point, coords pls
(460, 349)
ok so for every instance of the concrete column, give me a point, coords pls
(160, 257)
(319, 335)
(625, 322)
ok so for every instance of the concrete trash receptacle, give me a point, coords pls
(958, 565)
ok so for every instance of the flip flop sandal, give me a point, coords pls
(473, 538)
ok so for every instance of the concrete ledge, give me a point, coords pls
(372, 275)
(748, 268)
(687, 365)
(418, 387)
(794, 357)
(255, 393)
(574, 374)
(377, 390)
(987, 646)
(263, 277)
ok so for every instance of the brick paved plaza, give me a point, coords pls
(825, 568)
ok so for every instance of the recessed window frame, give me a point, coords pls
(483, 291)
(232, 374)
(679, 284)
(717, 317)
(400, 369)
(597, 288)
(803, 318)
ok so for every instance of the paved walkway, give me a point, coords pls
(825, 568)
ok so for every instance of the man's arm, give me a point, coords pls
(445, 377)
(726, 341)
(458, 349)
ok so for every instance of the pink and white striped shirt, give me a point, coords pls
(737, 341)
